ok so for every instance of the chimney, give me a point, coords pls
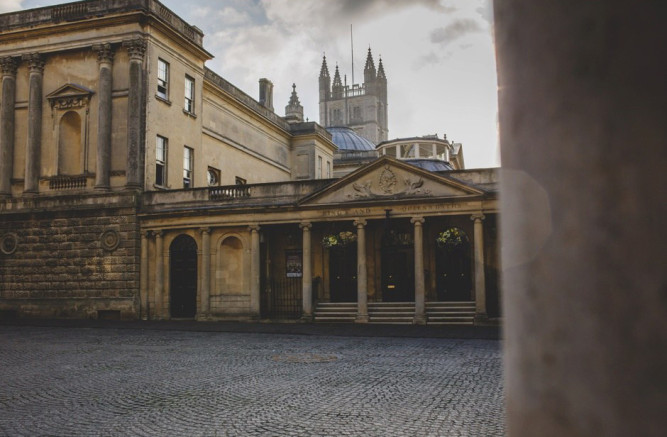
(266, 93)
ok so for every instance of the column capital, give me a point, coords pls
(104, 53)
(417, 220)
(305, 225)
(158, 234)
(205, 230)
(35, 62)
(146, 234)
(136, 48)
(254, 228)
(8, 65)
(477, 217)
(360, 223)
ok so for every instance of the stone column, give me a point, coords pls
(420, 311)
(135, 104)
(583, 216)
(143, 277)
(34, 138)
(480, 281)
(159, 275)
(362, 278)
(8, 66)
(103, 166)
(307, 279)
(254, 270)
(204, 307)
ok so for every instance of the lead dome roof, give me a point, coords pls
(347, 139)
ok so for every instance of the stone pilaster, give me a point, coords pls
(480, 281)
(205, 273)
(8, 66)
(135, 104)
(362, 275)
(103, 166)
(420, 313)
(307, 279)
(159, 276)
(34, 137)
(254, 270)
(143, 277)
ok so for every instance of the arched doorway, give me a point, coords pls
(398, 268)
(183, 277)
(453, 266)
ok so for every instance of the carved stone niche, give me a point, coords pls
(70, 106)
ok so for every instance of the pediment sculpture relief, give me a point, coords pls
(389, 185)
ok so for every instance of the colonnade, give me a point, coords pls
(205, 286)
(36, 64)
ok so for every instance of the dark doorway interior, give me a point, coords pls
(183, 277)
(453, 264)
(398, 269)
(343, 273)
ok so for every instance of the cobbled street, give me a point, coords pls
(135, 382)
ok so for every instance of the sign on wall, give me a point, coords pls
(293, 264)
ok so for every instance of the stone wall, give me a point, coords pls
(77, 261)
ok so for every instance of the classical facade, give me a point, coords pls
(137, 183)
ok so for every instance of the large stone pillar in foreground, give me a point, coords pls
(307, 278)
(254, 271)
(420, 298)
(103, 165)
(135, 159)
(583, 104)
(362, 273)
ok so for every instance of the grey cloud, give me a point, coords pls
(454, 31)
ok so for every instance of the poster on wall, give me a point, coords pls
(293, 265)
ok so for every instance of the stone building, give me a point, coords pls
(137, 183)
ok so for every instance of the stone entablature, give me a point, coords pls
(91, 9)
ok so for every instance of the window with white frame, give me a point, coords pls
(161, 161)
(189, 104)
(318, 175)
(188, 163)
(162, 79)
(328, 169)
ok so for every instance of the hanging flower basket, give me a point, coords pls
(450, 239)
(340, 239)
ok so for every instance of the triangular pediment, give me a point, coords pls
(70, 95)
(390, 179)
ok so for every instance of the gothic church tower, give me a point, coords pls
(359, 107)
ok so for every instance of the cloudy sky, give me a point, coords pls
(438, 57)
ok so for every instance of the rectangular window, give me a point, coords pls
(318, 174)
(189, 105)
(328, 169)
(162, 79)
(188, 163)
(161, 161)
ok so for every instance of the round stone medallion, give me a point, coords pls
(8, 243)
(110, 239)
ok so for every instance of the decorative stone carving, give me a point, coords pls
(35, 62)
(136, 48)
(70, 96)
(9, 243)
(110, 240)
(8, 66)
(104, 53)
(387, 182)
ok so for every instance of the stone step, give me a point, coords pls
(335, 309)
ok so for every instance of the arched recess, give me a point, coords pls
(232, 274)
(70, 146)
(453, 265)
(183, 277)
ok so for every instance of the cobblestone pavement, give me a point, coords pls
(119, 382)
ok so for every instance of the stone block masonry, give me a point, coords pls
(79, 259)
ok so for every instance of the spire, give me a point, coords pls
(336, 80)
(294, 110)
(324, 71)
(337, 88)
(381, 74)
(369, 69)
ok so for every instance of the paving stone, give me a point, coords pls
(133, 382)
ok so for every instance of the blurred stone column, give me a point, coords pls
(34, 137)
(480, 281)
(204, 307)
(307, 279)
(7, 127)
(159, 275)
(420, 311)
(583, 110)
(143, 277)
(362, 278)
(103, 165)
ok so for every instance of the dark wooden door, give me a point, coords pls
(343, 273)
(183, 277)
